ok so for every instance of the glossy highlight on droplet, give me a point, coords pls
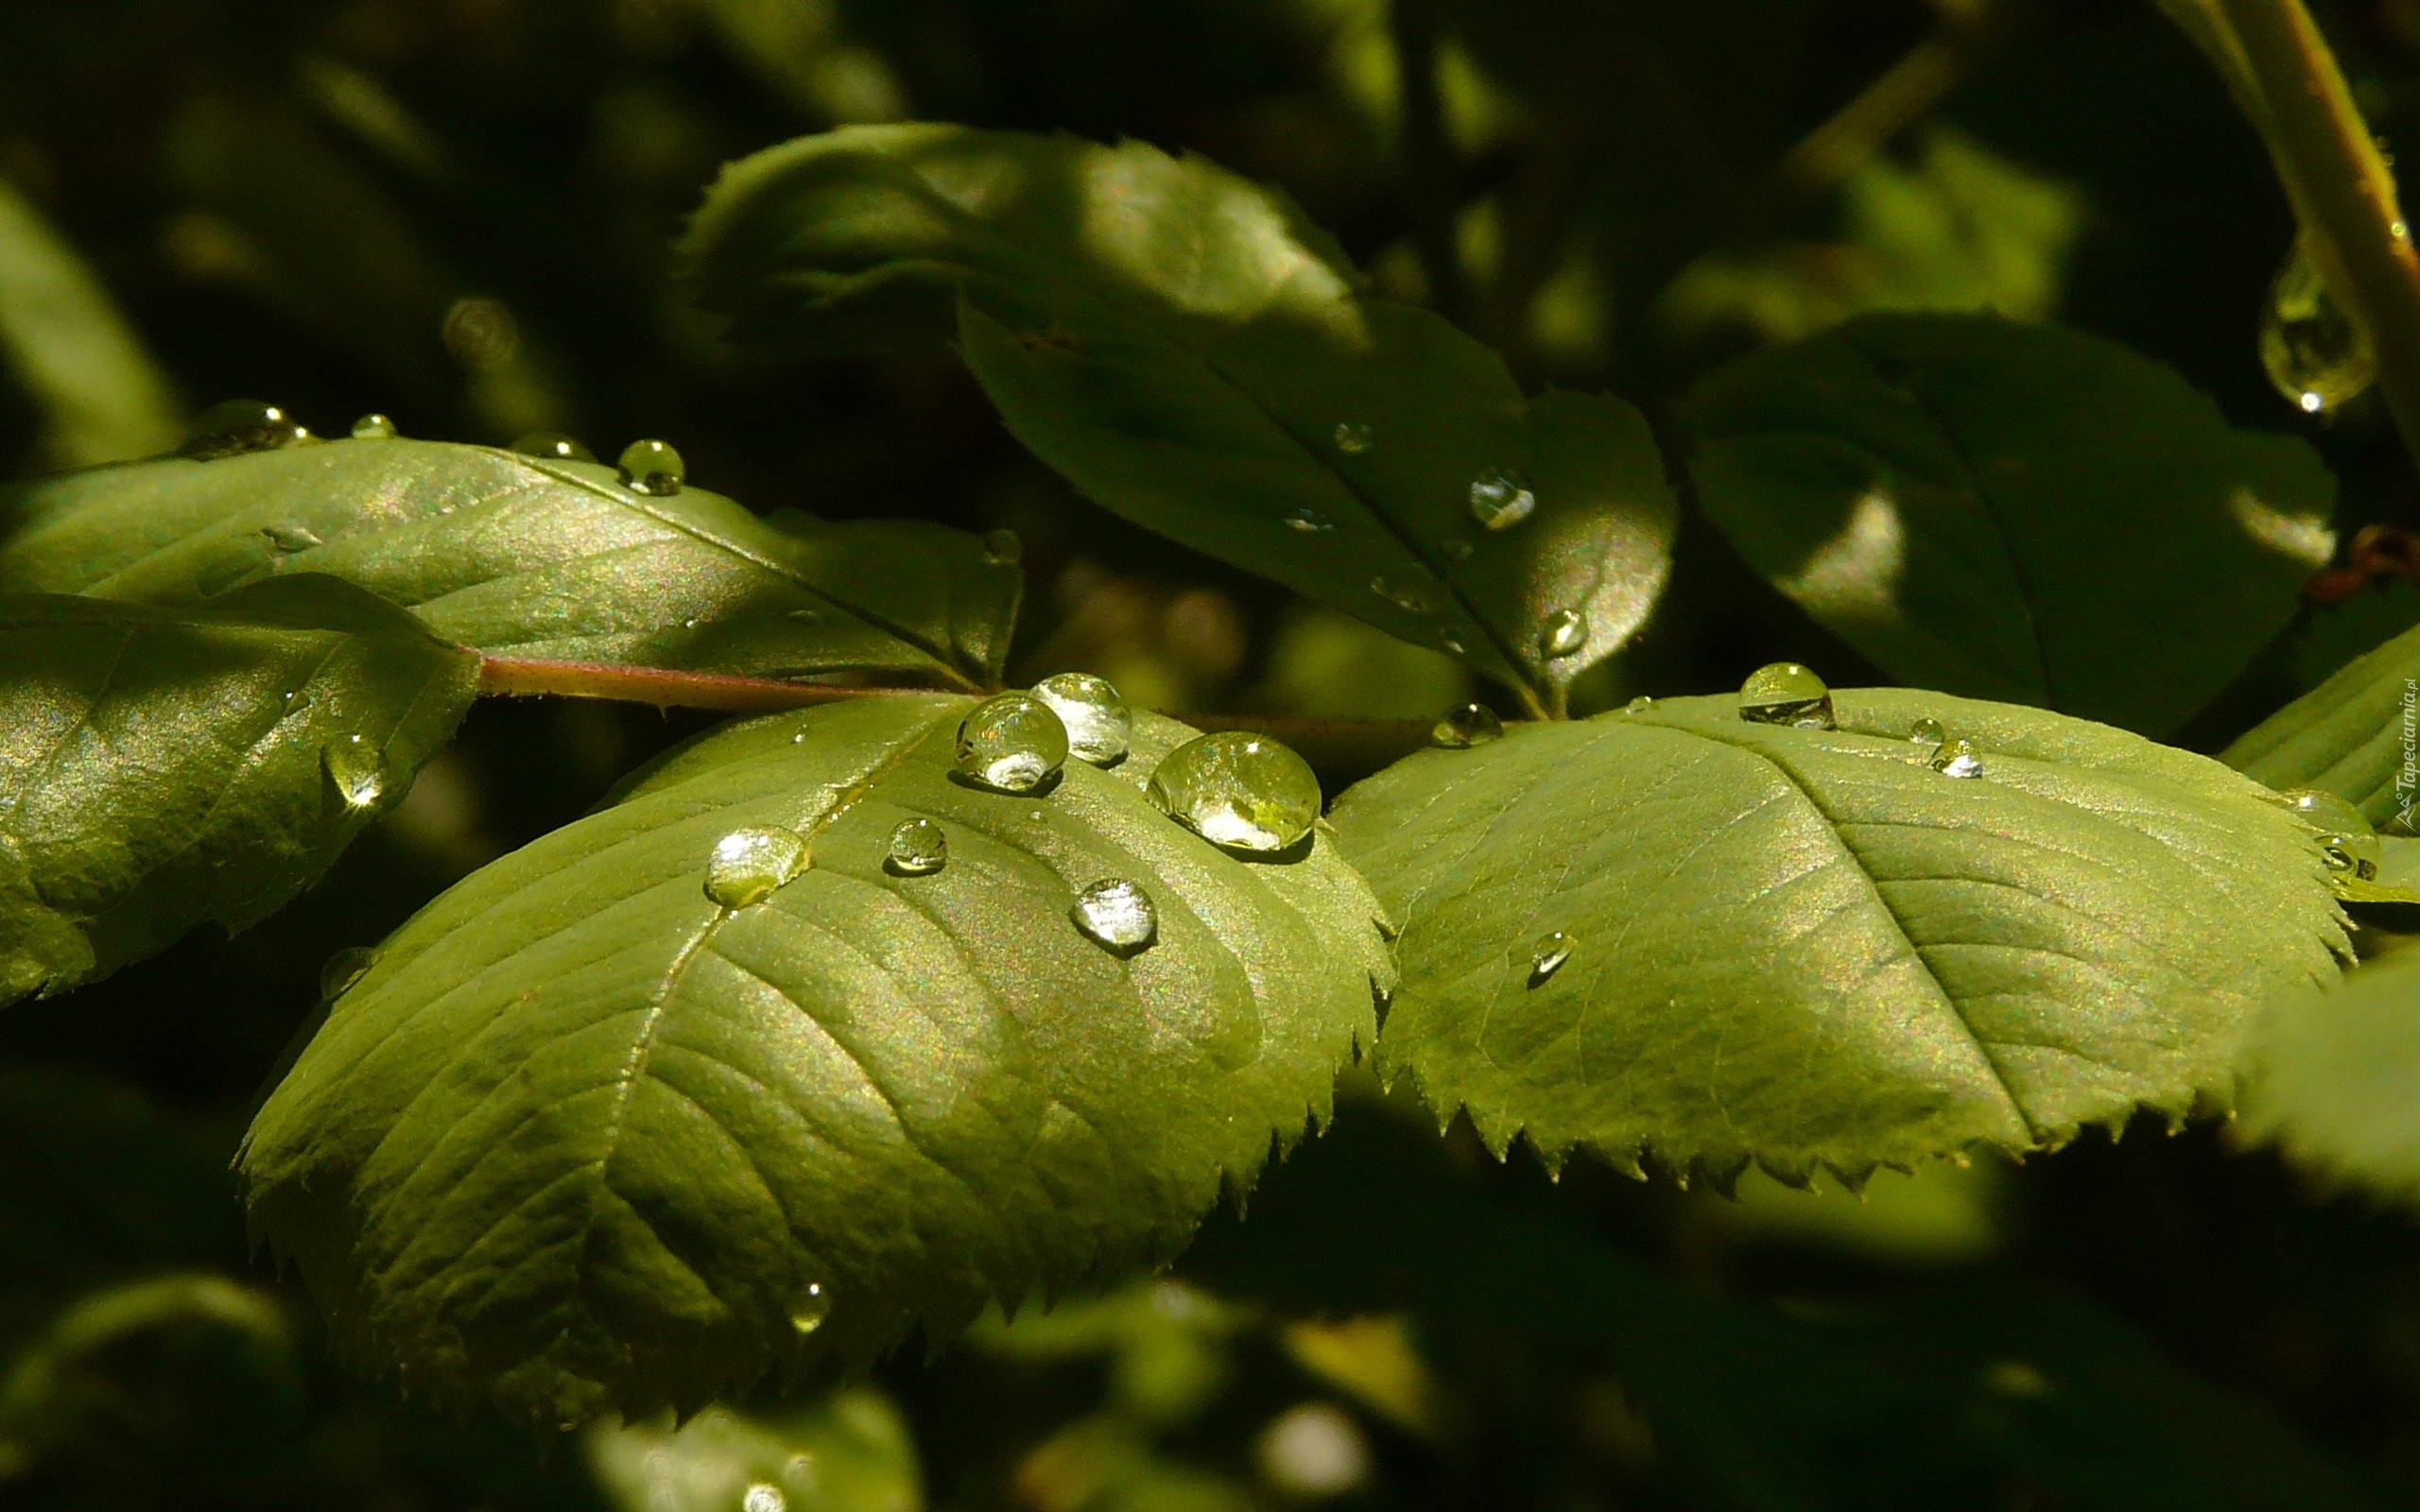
(374, 428)
(1499, 501)
(1012, 743)
(1473, 724)
(343, 969)
(1548, 956)
(357, 769)
(809, 1310)
(1116, 915)
(1101, 727)
(1352, 440)
(1784, 693)
(748, 865)
(1928, 731)
(291, 535)
(1239, 790)
(238, 426)
(1002, 548)
(652, 467)
(2316, 354)
(1565, 632)
(919, 847)
(1419, 594)
(2347, 840)
(1957, 757)
(554, 446)
(1308, 522)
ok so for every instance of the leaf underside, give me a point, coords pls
(2352, 735)
(524, 557)
(582, 1140)
(164, 767)
(1192, 354)
(1807, 947)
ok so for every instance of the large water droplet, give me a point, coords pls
(810, 1308)
(291, 535)
(1099, 726)
(1473, 724)
(1308, 521)
(652, 467)
(343, 969)
(1117, 916)
(1640, 704)
(1547, 956)
(2345, 835)
(918, 849)
(1243, 791)
(1499, 501)
(1957, 757)
(1002, 548)
(1420, 596)
(1565, 631)
(748, 863)
(374, 428)
(1928, 731)
(1784, 693)
(554, 446)
(358, 768)
(2316, 354)
(240, 425)
(1012, 743)
(1352, 440)
(764, 1496)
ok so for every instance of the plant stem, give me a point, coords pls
(2342, 189)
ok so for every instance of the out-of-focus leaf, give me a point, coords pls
(1809, 948)
(2354, 735)
(1165, 1344)
(583, 1137)
(103, 397)
(523, 555)
(1189, 351)
(2009, 511)
(2335, 1078)
(2334, 634)
(161, 768)
(848, 1452)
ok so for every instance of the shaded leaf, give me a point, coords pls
(2009, 511)
(102, 395)
(581, 1138)
(160, 768)
(2352, 735)
(849, 1453)
(1189, 351)
(1809, 948)
(522, 556)
(2334, 1075)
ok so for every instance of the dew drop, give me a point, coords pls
(1957, 757)
(1454, 644)
(356, 767)
(1928, 731)
(1547, 956)
(374, 428)
(554, 446)
(1499, 501)
(804, 616)
(1420, 596)
(238, 426)
(1002, 548)
(343, 969)
(2345, 835)
(1012, 743)
(2317, 355)
(1565, 631)
(1308, 521)
(1473, 724)
(918, 849)
(1240, 790)
(653, 468)
(748, 863)
(1352, 440)
(291, 535)
(1784, 693)
(764, 1496)
(810, 1308)
(1117, 916)
(1099, 726)
(1640, 704)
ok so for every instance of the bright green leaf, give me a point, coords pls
(849, 1453)
(2335, 1078)
(582, 1139)
(1809, 948)
(1190, 353)
(2354, 735)
(162, 768)
(528, 557)
(2011, 511)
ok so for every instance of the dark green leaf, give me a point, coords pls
(1192, 355)
(164, 768)
(2352, 735)
(2010, 511)
(582, 1139)
(1807, 947)
(522, 556)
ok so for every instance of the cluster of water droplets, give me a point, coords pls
(2346, 838)
(2316, 354)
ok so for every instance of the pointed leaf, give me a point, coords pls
(2335, 1079)
(522, 556)
(1189, 351)
(2355, 735)
(2012, 511)
(583, 1138)
(164, 768)
(1807, 947)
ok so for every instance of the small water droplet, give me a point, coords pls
(1499, 500)
(1002, 548)
(1012, 743)
(799, 738)
(804, 616)
(358, 768)
(1784, 693)
(748, 863)
(1928, 731)
(691, 623)
(764, 1496)
(1420, 596)
(238, 426)
(1454, 644)
(918, 849)
(2316, 354)
(1547, 956)
(1099, 726)
(652, 467)
(1473, 724)
(1639, 705)
(291, 535)
(1117, 916)
(374, 428)
(1957, 757)
(1565, 631)
(1352, 440)
(810, 1308)
(2346, 838)
(343, 969)
(1240, 790)
(554, 446)
(1308, 521)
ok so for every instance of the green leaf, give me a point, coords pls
(2334, 1076)
(103, 396)
(522, 556)
(2354, 735)
(164, 768)
(580, 1138)
(1190, 353)
(2009, 511)
(1809, 948)
(849, 1453)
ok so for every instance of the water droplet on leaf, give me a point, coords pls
(1473, 724)
(374, 428)
(1928, 731)
(1012, 743)
(1640, 704)
(804, 616)
(1002, 548)
(2316, 354)
(748, 863)
(1308, 521)
(1547, 956)
(292, 535)
(343, 969)
(357, 767)
(1117, 916)
(554, 446)
(1352, 440)
(240, 425)
(1784, 693)
(764, 1496)
(1420, 596)
(918, 849)
(652, 467)
(1957, 757)
(1243, 791)
(2347, 837)
(1565, 631)
(1499, 501)
(1099, 726)
(810, 1308)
